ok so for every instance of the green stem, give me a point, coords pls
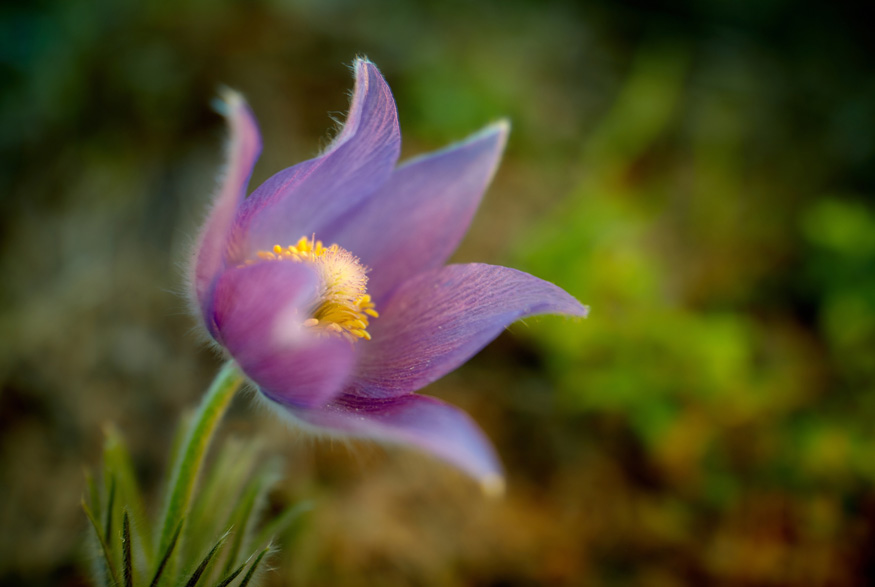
(194, 447)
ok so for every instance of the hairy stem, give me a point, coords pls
(194, 447)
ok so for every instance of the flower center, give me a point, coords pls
(342, 304)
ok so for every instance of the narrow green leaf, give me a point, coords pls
(110, 566)
(126, 551)
(254, 566)
(218, 494)
(99, 570)
(190, 458)
(110, 505)
(117, 459)
(241, 516)
(196, 576)
(93, 493)
(163, 563)
(227, 580)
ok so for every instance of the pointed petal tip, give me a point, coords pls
(502, 126)
(363, 68)
(493, 486)
(228, 101)
(498, 130)
(576, 311)
(573, 310)
(244, 128)
(242, 151)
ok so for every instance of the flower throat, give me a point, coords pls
(343, 306)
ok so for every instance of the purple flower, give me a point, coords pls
(342, 335)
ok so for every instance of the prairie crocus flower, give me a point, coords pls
(327, 285)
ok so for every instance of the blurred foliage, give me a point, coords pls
(211, 541)
(731, 332)
(700, 173)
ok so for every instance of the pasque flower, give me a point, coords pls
(327, 285)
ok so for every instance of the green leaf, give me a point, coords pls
(227, 580)
(199, 571)
(117, 460)
(126, 551)
(220, 490)
(229, 497)
(241, 516)
(254, 566)
(112, 575)
(93, 493)
(110, 505)
(166, 557)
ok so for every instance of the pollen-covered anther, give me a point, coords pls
(342, 305)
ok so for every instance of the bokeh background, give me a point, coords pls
(700, 173)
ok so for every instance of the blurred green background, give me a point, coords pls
(700, 173)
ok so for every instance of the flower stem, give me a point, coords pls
(194, 447)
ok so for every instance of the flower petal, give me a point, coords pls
(416, 221)
(439, 319)
(243, 150)
(300, 200)
(425, 422)
(257, 315)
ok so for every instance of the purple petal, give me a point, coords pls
(257, 314)
(301, 200)
(438, 320)
(427, 423)
(418, 218)
(243, 150)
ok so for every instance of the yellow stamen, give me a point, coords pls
(342, 306)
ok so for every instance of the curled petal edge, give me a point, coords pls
(422, 422)
(433, 199)
(244, 147)
(311, 195)
(438, 320)
(257, 317)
